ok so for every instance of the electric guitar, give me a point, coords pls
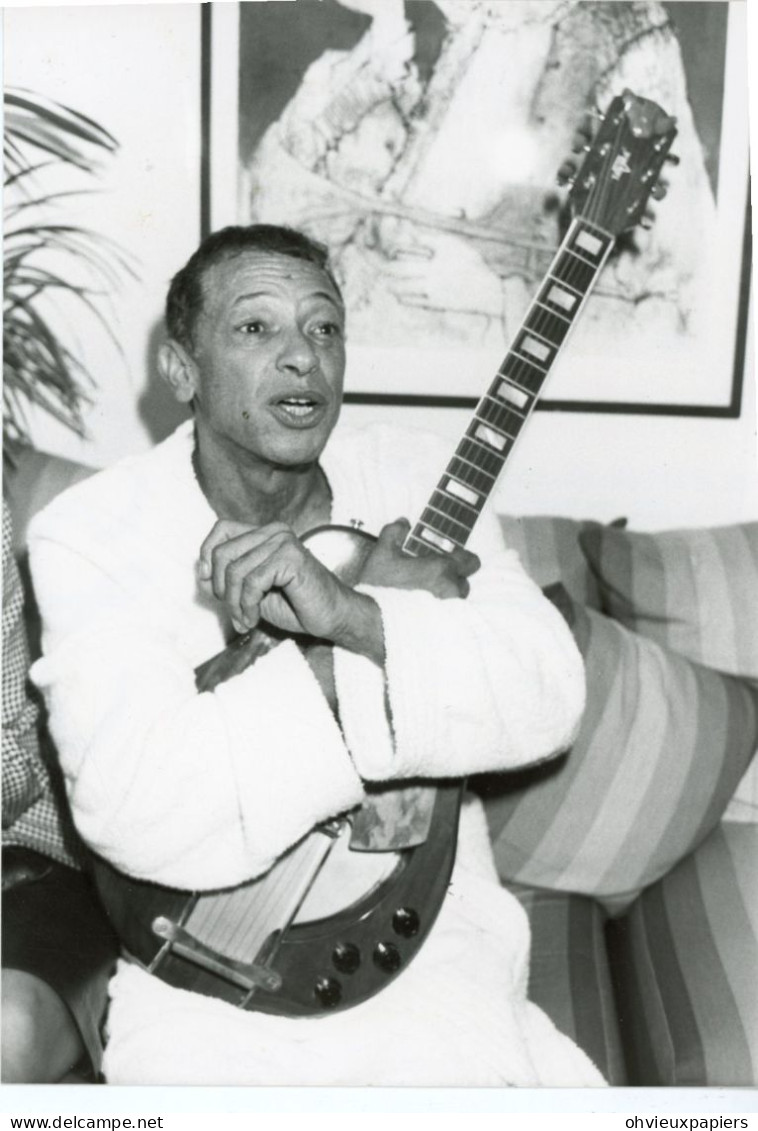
(249, 945)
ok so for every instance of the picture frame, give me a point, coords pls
(675, 346)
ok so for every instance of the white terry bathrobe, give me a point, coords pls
(203, 791)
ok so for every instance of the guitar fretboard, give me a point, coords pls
(470, 476)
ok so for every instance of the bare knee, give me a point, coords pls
(40, 1041)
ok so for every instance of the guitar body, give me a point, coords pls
(244, 945)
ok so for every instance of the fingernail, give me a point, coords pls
(203, 569)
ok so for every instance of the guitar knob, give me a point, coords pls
(405, 922)
(346, 958)
(328, 992)
(387, 957)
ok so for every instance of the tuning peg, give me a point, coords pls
(566, 173)
(596, 114)
(672, 159)
(659, 190)
(647, 221)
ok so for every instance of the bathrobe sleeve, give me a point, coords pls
(491, 682)
(189, 790)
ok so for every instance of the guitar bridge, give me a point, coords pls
(248, 975)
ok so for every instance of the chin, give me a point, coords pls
(295, 451)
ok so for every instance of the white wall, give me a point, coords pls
(136, 70)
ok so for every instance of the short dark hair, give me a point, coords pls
(185, 294)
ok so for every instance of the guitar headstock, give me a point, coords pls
(620, 170)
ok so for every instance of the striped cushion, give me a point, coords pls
(549, 550)
(569, 975)
(696, 591)
(661, 747)
(685, 963)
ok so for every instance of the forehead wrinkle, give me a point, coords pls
(274, 294)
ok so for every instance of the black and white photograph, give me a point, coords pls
(380, 551)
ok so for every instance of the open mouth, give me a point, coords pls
(304, 408)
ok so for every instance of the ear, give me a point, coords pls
(179, 370)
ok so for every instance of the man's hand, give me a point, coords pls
(267, 573)
(443, 575)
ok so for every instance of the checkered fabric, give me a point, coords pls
(31, 816)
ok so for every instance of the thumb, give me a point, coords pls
(394, 533)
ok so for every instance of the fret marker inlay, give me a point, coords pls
(453, 487)
(516, 397)
(589, 243)
(562, 298)
(491, 437)
(535, 348)
(437, 539)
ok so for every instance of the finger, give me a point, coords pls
(222, 531)
(225, 553)
(228, 531)
(245, 590)
(250, 576)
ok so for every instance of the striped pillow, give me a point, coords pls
(685, 964)
(661, 747)
(696, 591)
(549, 550)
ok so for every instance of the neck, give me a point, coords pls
(255, 492)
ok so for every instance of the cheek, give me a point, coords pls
(230, 389)
(334, 367)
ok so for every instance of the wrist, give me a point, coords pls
(361, 629)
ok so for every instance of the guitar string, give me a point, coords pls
(222, 917)
(229, 921)
(572, 273)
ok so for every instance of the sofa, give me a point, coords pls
(634, 854)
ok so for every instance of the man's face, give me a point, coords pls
(269, 358)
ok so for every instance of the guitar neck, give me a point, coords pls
(471, 474)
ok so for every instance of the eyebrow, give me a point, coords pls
(270, 294)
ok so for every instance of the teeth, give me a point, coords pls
(298, 408)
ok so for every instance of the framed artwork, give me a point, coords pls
(420, 140)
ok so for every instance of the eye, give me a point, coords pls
(327, 329)
(252, 327)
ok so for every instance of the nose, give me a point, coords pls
(298, 354)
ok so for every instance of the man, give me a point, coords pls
(144, 572)
(57, 949)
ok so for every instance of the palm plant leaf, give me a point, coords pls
(45, 260)
(54, 128)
